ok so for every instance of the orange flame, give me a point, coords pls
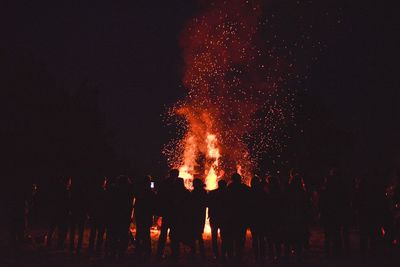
(224, 72)
(212, 155)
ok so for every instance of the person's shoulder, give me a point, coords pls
(245, 187)
(230, 188)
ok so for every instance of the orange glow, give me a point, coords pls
(193, 145)
(228, 110)
(214, 155)
(207, 227)
(239, 169)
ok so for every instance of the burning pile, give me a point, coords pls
(230, 78)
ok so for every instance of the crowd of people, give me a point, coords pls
(277, 213)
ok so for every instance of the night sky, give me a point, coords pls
(129, 51)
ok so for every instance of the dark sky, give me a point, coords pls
(130, 51)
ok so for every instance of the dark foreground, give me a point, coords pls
(39, 255)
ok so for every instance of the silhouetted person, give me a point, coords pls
(396, 209)
(180, 231)
(371, 210)
(237, 215)
(198, 205)
(297, 214)
(143, 210)
(274, 206)
(13, 205)
(121, 201)
(98, 215)
(257, 218)
(58, 212)
(396, 192)
(37, 214)
(391, 219)
(217, 217)
(334, 206)
(78, 212)
(164, 202)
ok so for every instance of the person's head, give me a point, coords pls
(97, 181)
(198, 184)
(331, 180)
(263, 181)
(123, 180)
(255, 182)
(174, 173)
(221, 184)
(297, 183)
(64, 181)
(273, 183)
(104, 183)
(180, 183)
(333, 171)
(236, 178)
(146, 180)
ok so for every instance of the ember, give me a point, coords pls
(229, 86)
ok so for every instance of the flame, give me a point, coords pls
(229, 115)
(239, 169)
(214, 155)
(212, 171)
(219, 51)
(187, 170)
(211, 179)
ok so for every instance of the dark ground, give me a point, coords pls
(39, 255)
